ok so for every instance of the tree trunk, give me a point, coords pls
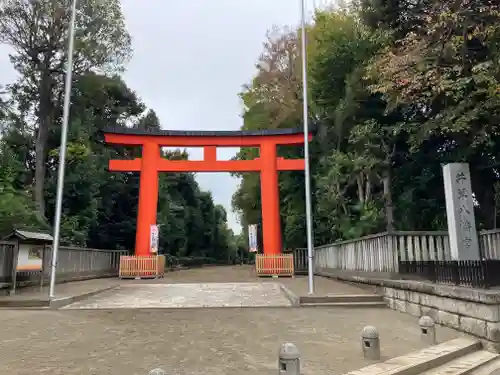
(389, 212)
(361, 195)
(368, 189)
(40, 168)
(45, 111)
(343, 205)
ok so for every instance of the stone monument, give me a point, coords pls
(460, 212)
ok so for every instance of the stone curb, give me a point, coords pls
(57, 303)
(172, 309)
(47, 303)
(291, 296)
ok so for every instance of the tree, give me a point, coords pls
(400, 17)
(99, 208)
(38, 33)
(397, 87)
(445, 81)
(15, 205)
(272, 100)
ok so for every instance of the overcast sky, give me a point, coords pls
(191, 58)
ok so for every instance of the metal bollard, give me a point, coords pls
(289, 360)
(157, 371)
(370, 341)
(427, 330)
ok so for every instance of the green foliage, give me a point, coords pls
(37, 31)
(15, 205)
(397, 88)
(99, 208)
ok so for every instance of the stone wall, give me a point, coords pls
(473, 311)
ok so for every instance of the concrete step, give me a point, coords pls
(488, 368)
(342, 298)
(464, 365)
(345, 304)
(423, 360)
(24, 302)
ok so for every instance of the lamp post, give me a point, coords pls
(62, 152)
(305, 107)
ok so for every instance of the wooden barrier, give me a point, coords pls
(274, 265)
(132, 267)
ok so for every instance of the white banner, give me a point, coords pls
(252, 238)
(153, 243)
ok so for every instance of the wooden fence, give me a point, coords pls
(142, 267)
(274, 265)
(73, 264)
(382, 252)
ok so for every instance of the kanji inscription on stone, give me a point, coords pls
(460, 212)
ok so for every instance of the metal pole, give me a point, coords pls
(62, 151)
(310, 270)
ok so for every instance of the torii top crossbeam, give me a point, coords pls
(151, 162)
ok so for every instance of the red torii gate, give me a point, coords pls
(151, 163)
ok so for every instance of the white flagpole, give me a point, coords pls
(62, 151)
(310, 270)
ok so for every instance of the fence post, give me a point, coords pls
(393, 253)
(42, 272)
(434, 271)
(455, 276)
(15, 256)
(485, 273)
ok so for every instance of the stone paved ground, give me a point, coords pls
(197, 341)
(298, 285)
(189, 295)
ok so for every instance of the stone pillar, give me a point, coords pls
(288, 360)
(427, 330)
(370, 343)
(460, 212)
